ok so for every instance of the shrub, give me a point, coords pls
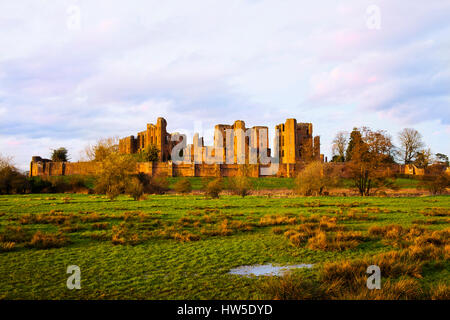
(437, 184)
(39, 185)
(59, 184)
(159, 184)
(213, 188)
(183, 186)
(78, 184)
(154, 185)
(135, 189)
(240, 185)
(114, 174)
(313, 180)
(12, 181)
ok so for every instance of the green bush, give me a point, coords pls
(183, 186)
(240, 185)
(39, 185)
(311, 180)
(78, 183)
(135, 189)
(59, 185)
(12, 181)
(213, 188)
(114, 175)
(435, 184)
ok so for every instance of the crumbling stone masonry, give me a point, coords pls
(155, 134)
(296, 142)
(234, 146)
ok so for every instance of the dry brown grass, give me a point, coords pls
(441, 291)
(358, 216)
(14, 234)
(323, 241)
(292, 287)
(41, 240)
(55, 217)
(399, 236)
(100, 226)
(122, 235)
(295, 287)
(274, 220)
(186, 221)
(7, 246)
(71, 228)
(92, 217)
(427, 222)
(436, 212)
(401, 269)
(185, 236)
(97, 235)
(277, 230)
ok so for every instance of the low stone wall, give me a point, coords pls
(48, 168)
(45, 168)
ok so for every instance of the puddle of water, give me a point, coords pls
(266, 270)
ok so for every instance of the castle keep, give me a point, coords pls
(234, 146)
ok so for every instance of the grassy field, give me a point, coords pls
(262, 183)
(182, 247)
(270, 183)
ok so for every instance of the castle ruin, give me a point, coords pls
(234, 146)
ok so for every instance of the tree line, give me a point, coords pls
(412, 149)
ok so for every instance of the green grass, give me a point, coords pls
(272, 183)
(162, 268)
(263, 183)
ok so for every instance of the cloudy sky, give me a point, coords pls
(75, 71)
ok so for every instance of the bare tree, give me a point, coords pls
(411, 142)
(103, 149)
(5, 162)
(340, 145)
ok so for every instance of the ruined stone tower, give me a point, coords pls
(154, 135)
(233, 144)
(296, 142)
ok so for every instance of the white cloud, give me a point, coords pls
(260, 61)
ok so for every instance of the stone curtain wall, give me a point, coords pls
(48, 169)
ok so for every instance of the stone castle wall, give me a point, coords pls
(49, 169)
